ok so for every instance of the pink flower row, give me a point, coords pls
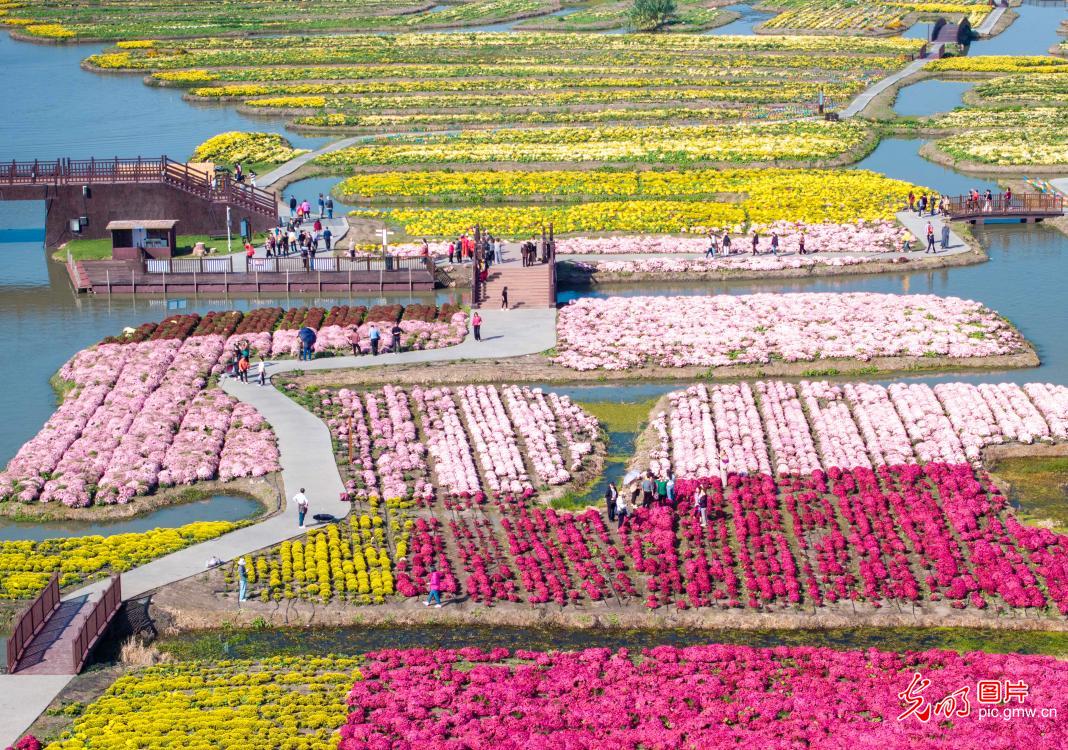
(618, 333)
(701, 696)
(798, 428)
(138, 417)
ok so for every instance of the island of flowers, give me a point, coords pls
(701, 696)
(26, 566)
(620, 333)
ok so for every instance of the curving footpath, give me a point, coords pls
(307, 460)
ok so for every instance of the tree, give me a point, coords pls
(650, 15)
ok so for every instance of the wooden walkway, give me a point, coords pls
(1026, 207)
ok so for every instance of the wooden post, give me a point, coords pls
(320, 281)
(108, 271)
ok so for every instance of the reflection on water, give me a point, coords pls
(900, 158)
(930, 97)
(218, 508)
(1033, 33)
(312, 187)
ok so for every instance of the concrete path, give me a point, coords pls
(984, 28)
(864, 98)
(918, 226)
(307, 459)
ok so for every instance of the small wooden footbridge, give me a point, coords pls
(1025, 208)
(55, 636)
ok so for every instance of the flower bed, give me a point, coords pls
(702, 696)
(280, 702)
(252, 148)
(139, 417)
(26, 566)
(621, 333)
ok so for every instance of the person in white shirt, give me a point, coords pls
(261, 371)
(301, 501)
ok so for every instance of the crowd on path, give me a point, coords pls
(653, 488)
(240, 365)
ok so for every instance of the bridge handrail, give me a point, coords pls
(31, 621)
(1023, 203)
(220, 187)
(291, 264)
(96, 622)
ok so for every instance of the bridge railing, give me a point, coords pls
(1023, 204)
(31, 621)
(95, 624)
(289, 264)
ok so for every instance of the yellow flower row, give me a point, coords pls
(1031, 146)
(26, 566)
(998, 64)
(283, 703)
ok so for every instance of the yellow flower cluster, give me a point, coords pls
(194, 75)
(283, 703)
(741, 144)
(26, 566)
(640, 201)
(998, 64)
(349, 561)
(253, 148)
(137, 44)
(1045, 146)
(49, 30)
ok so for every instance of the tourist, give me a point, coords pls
(354, 339)
(498, 251)
(930, 239)
(250, 253)
(292, 207)
(756, 243)
(648, 489)
(352, 248)
(317, 226)
(801, 244)
(327, 236)
(622, 511)
(504, 298)
(304, 257)
(671, 489)
(611, 495)
(329, 207)
(242, 578)
(424, 249)
(305, 209)
(726, 244)
(774, 243)
(292, 244)
(912, 201)
(945, 236)
(988, 203)
(922, 205)
(375, 337)
(261, 370)
(452, 252)
(239, 175)
(242, 369)
(301, 501)
(1008, 198)
(906, 242)
(711, 251)
(724, 469)
(322, 206)
(396, 333)
(476, 325)
(661, 490)
(700, 505)
(435, 589)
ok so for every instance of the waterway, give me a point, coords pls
(358, 639)
(217, 508)
(750, 17)
(930, 97)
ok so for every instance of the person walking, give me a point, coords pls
(756, 243)
(292, 207)
(435, 590)
(774, 243)
(930, 239)
(327, 236)
(354, 339)
(261, 370)
(242, 580)
(329, 206)
(304, 257)
(912, 201)
(611, 495)
(711, 251)
(498, 251)
(375, 337)
(906, 242)
(242, 369)
(504, 298)
(396, 333)
(301, 501)
(452, 252)
(250, 253)
(622, 510)
(801, 244)
(700, 505)
(322, 206)
(726, 244)
(476, 324)
(945, 236)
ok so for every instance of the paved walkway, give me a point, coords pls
(864, 98)
(918, 226)
(984, 28)
(307, 459)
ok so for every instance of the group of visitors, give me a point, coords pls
(302, 210)
(464, 248)
(985, 201)
(652, 488)
(528, 251)
(932, 205)
(374, 337)
(241, 363)
(718, 245)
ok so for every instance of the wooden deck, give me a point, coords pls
(123, 277)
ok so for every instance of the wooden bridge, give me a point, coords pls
(1026, 207)
(54, 636)
(88, 193)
